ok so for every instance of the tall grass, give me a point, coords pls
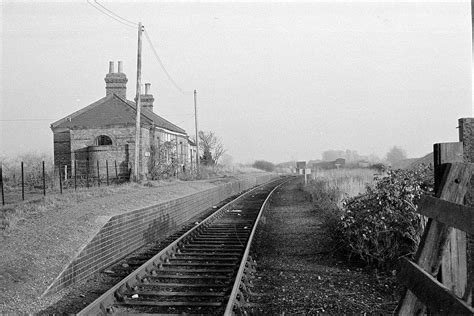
(32, 162)
(344, 183)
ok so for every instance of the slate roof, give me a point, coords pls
(113, 110)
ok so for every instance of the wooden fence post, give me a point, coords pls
(466, 136)
(116, 173)
(60, 180)
(454, 262)
(436, 235)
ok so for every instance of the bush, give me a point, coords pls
(382, 225)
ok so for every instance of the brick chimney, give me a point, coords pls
(147, 98)
(116, 82)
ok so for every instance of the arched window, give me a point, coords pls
(103, 140)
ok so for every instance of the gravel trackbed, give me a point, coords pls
(296, 273)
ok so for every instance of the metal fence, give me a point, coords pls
(36, 181)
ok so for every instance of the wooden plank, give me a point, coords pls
(454, 260)
(431, 292)
(433, 242)
(454, 263)
(451, 214)
(444, 153)
(466, 136)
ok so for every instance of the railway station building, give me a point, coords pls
(104, 132)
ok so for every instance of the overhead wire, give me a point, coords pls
(164, 68)
(104, 10)
(111, 16)
(115, 14)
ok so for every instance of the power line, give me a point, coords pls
(131, 24)
(110, 16)
(115, 14)
(164, 68)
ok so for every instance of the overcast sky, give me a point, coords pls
(276, 81)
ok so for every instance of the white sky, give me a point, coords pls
(275, 81)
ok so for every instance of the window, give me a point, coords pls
(103, 140)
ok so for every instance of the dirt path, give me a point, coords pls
(296, 273)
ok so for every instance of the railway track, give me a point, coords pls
(201, 272)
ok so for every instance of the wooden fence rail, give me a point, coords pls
(443, 243)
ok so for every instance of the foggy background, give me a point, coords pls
(277, 81)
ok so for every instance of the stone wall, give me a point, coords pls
(82, 138)
(122, 234)
(79, 145)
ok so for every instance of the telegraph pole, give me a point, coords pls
(136, 172)
(197, 136)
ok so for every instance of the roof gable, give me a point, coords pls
(156, 119)
(112, 110)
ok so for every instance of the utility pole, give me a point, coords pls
(136, 172)
(197, 136)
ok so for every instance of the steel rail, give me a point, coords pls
(104, 304)
(233, 298)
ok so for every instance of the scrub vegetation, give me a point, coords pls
(376, 225)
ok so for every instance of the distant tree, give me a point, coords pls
(211, 148)
(352, 155)
(395, 154)
(206, 158)
(264, 165)
(227, 160)
(373, 158)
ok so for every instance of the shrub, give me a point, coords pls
(382, 225)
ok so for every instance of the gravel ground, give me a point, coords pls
(296, 273)
(47, 236)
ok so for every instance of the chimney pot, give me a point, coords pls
(116, 82)
(147, 99)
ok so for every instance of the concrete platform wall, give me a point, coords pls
(126, 232)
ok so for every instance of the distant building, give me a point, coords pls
(363, 164)
(105, 131)
(326, 165)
